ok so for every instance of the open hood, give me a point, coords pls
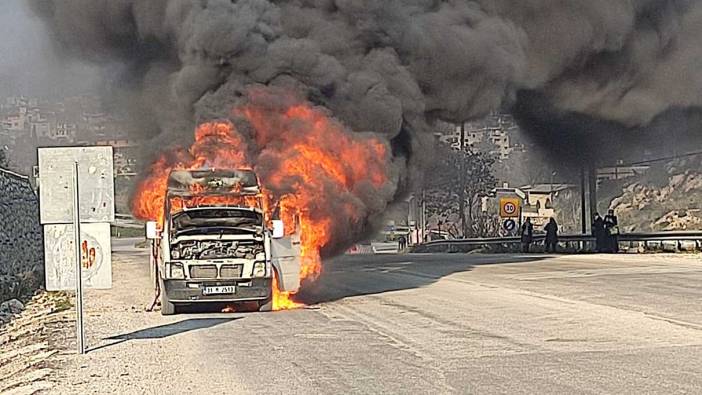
(204, 182)
(217, 220)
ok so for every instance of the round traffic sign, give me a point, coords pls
(509, 225)
(510, 208)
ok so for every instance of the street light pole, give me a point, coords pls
(553, 175)
(462, 190)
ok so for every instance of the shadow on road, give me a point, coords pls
(167, 330)
(355, 275)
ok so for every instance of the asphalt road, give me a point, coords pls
(415, 324)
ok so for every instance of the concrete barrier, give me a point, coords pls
(670, 246)
(688, 245)
(385, 248)
(359, 249)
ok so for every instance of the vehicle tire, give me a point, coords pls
(266, 305)
(167, 308)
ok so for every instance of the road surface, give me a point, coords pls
(414, 324)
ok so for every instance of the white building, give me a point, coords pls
(491, 133)
(15, 122)
(63, 131)
(538, 204)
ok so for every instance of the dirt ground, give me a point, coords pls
(31, 344)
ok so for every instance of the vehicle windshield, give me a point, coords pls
(217, 217)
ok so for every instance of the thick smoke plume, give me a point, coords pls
(391, 67)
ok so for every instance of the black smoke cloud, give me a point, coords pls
(574, 71)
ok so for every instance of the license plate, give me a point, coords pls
(223, 290)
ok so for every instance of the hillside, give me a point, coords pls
(667, 197)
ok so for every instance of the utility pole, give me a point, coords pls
(593, 190)
(424, 215)
(550, 196)
(583, 208)
(462, 186)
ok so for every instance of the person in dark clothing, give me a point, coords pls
(402, 243)
(527, 235)
(611, 225)
(598, 231)
(551, 235)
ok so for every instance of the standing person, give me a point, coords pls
(527, 235)
(598, 231)
(402, 243)
(551, 235)
(611, 225)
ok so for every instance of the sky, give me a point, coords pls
(28, 62)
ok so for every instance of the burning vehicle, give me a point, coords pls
(306, 169)
(217, 246)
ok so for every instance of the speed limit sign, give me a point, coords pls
(509, 207)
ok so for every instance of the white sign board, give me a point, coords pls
(60, 257)
(97, 202)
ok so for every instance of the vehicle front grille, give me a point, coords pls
(231, 271)
(203, 271)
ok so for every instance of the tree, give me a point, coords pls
(460, 178)
(525, 167)
(4, 160)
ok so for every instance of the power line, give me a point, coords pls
(663, 159)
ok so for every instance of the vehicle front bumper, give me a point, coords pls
(190, 291)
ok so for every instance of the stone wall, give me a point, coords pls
(21, 241)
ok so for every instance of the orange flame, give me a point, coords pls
(216, 146)
(283, 300)
(310, 166)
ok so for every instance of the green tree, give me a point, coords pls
(4, 160)
(457, 179)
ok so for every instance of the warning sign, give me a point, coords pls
(509, 207)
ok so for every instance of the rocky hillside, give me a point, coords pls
(667, 197)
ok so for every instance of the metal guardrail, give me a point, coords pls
(681, 236)
(124, 216)
(127, 221)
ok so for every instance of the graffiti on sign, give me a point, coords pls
(95, 256)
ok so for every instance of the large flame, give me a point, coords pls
(283, 300)
(312, 169)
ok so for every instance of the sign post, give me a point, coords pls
(80, 333)
(76, 205)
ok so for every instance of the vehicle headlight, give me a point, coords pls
(175, 254)
(177, 270)
(259, 269)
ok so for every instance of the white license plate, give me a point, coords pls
(229, 289)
